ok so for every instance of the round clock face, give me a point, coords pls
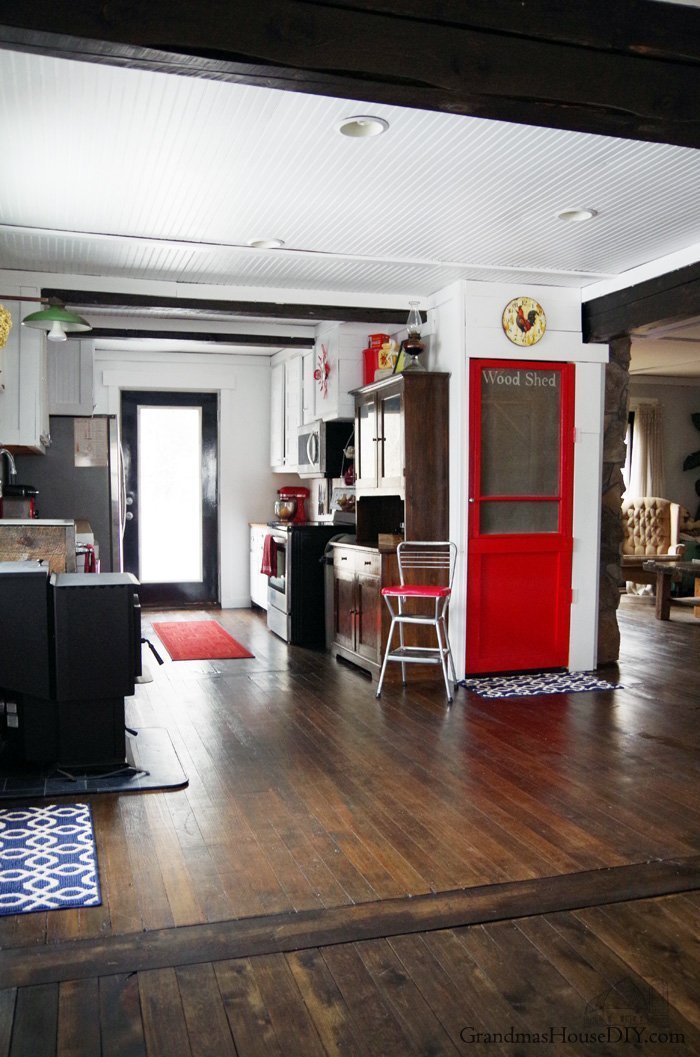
(524, 321)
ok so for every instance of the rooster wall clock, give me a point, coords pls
(524, 321)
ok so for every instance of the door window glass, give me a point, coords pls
(367, 448)
(392, 447)
(520, 416)
(170, 494)
(519, 517)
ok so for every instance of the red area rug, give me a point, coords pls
(198, 640)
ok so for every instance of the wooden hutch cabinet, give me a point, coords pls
(402, 467)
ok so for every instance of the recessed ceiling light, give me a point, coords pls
(577, 215)
(362, 126)
(266, 244)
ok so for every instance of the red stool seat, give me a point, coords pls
(417, 591)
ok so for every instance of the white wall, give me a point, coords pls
(247, 486)
(466, 323)
(678, 400)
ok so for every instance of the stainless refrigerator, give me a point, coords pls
(85, 491)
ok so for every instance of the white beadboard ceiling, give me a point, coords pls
(122, 173)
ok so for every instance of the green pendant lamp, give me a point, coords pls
(57, 320)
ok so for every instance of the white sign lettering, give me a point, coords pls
(527, 379)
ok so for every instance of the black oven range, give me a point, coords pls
(296, 586)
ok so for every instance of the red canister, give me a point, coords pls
(370, 363)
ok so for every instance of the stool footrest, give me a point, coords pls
(417, 654)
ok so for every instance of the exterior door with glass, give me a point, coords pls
(520, 515)
(170, 462)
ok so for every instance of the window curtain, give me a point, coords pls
(646, 472)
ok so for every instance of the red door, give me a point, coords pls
(520, 507)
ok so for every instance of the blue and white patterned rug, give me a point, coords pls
(47, 859)
(537, 683)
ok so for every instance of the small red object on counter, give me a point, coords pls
(377, 340)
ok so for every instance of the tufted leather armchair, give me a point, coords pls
(651, 526)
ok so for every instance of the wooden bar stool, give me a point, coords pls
(426, 572)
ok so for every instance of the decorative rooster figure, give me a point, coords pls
(322, 371)
(524, 323)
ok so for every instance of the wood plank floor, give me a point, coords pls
(305, 794)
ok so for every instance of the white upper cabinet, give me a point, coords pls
(71, 388)
(339, 363)
(277, 417)
(308, 384)
(286, 396)
(24, 414)
(308, 387)
(292, 410)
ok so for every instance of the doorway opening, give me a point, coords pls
(170, 445)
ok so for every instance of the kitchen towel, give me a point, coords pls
(269, 556)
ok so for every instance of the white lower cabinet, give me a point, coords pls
(258, 581)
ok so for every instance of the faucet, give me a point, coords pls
(13, 469)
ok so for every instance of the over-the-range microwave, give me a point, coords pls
(320, 447)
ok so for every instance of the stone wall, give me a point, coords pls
(614, 450)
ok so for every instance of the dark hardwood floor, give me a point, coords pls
(343, 876)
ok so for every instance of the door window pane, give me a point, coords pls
(519, 517)
(392, 447)
(520, 414)
(170, 494)
(367, 445)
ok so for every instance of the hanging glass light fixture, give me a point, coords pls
(57, 321)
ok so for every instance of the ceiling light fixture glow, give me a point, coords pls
(362, 126)
(266, 244)
(576, 214)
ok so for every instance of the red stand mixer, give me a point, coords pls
(290, 507)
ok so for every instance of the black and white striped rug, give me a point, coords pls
(537, 683)
(47, 859)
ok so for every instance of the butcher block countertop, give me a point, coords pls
(31, 539)
(34, 521)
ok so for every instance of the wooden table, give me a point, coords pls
(668, 573)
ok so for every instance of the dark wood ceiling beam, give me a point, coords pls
(629, 69)
(151, 304)
(266, 341)
(658, 302)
